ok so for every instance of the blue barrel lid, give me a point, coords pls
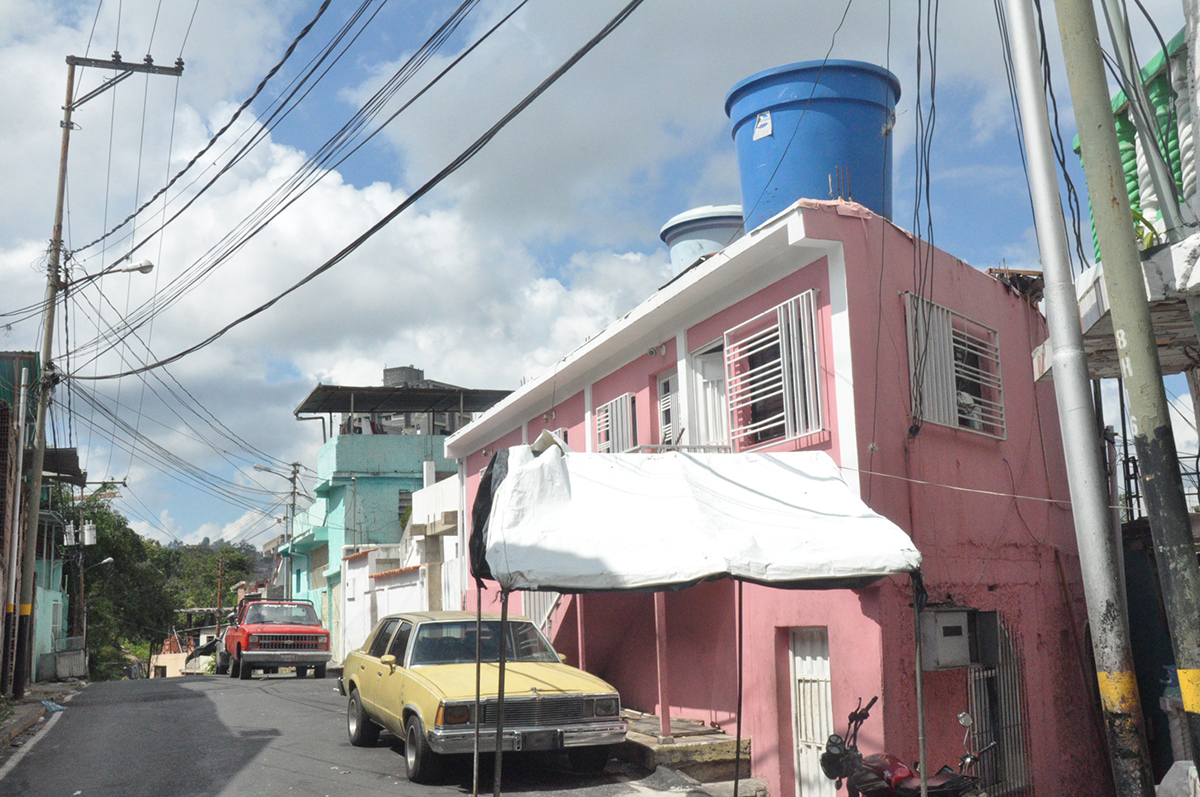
(828, 68)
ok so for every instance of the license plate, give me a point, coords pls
(539, 740)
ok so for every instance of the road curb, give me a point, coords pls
(15, 727)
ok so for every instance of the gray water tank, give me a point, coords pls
(701, 231)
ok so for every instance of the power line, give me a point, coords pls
(450, 169)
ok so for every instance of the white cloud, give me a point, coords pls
(542, 240)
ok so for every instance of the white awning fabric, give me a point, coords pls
(573, 522)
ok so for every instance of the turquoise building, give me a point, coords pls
(363, 497)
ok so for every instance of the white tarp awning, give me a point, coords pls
(587, 522)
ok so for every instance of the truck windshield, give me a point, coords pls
(281, 614)
(454, 643)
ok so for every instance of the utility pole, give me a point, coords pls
(1103, 591)
(291, 526)
(53, 283)
(220, 572)
(9, 645)
(1179, 575)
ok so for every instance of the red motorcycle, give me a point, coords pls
(885, 775)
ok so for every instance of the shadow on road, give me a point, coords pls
(112, 740)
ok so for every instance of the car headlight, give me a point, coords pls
(253, 640)
(608, 706)
(453, 714)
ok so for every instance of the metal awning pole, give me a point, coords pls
(478, 676)
(500, 694)
(918, 603)
(737, 752)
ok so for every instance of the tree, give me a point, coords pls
(123, 601)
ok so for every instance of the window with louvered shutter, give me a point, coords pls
(616, 425)
(772, 375)
(954, 369)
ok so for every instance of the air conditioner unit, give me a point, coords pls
(958, 636)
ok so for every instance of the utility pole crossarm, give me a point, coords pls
(128, 66)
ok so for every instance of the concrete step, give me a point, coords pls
(703, 753)
(747, 787)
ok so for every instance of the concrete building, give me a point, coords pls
(366, 475)
(810, 333)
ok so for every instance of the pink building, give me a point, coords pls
(830, 328)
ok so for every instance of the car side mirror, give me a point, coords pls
(388, 661)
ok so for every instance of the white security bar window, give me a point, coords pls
(954, 369)
(616, 425)
(772, 375)
(668, 398)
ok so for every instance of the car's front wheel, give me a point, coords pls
(362, 732)
(421, 764)
(588, 760)
(235, 667)
(244, 668)
(319, 671)
(301, 672)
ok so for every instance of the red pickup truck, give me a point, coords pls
(269, 634)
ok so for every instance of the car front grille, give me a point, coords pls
(523, 711)
(289, 642)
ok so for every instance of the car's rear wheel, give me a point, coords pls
(301, 672)
(588, 760)
(421, 764)
(360, 729)
(319, 671)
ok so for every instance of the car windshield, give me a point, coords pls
(454, 643)
(282, 614)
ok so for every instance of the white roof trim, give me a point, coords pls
(743, 268)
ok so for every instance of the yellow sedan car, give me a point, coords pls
(415, 676)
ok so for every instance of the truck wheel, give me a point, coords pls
(245, 670)
(588, 760)
(421, 764)
(235, 667)
(301, 672)
(319, 671)
(360, 729)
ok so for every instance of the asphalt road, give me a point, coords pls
(269, 737)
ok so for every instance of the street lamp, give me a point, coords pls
(106, 561)
(141, 267)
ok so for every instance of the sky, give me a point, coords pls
(548, 234)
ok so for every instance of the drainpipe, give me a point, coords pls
(1081, 444)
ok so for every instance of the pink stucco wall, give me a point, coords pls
(984, 549)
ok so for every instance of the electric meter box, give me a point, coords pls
(953, 637)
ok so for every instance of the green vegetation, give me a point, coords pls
(132, 602)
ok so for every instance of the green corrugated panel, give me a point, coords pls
(1158, 91)
(11, 363)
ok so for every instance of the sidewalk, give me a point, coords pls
(28, 711)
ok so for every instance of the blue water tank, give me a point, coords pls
(800, 127)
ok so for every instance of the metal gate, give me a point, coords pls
(997, 703)
(812, 709)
